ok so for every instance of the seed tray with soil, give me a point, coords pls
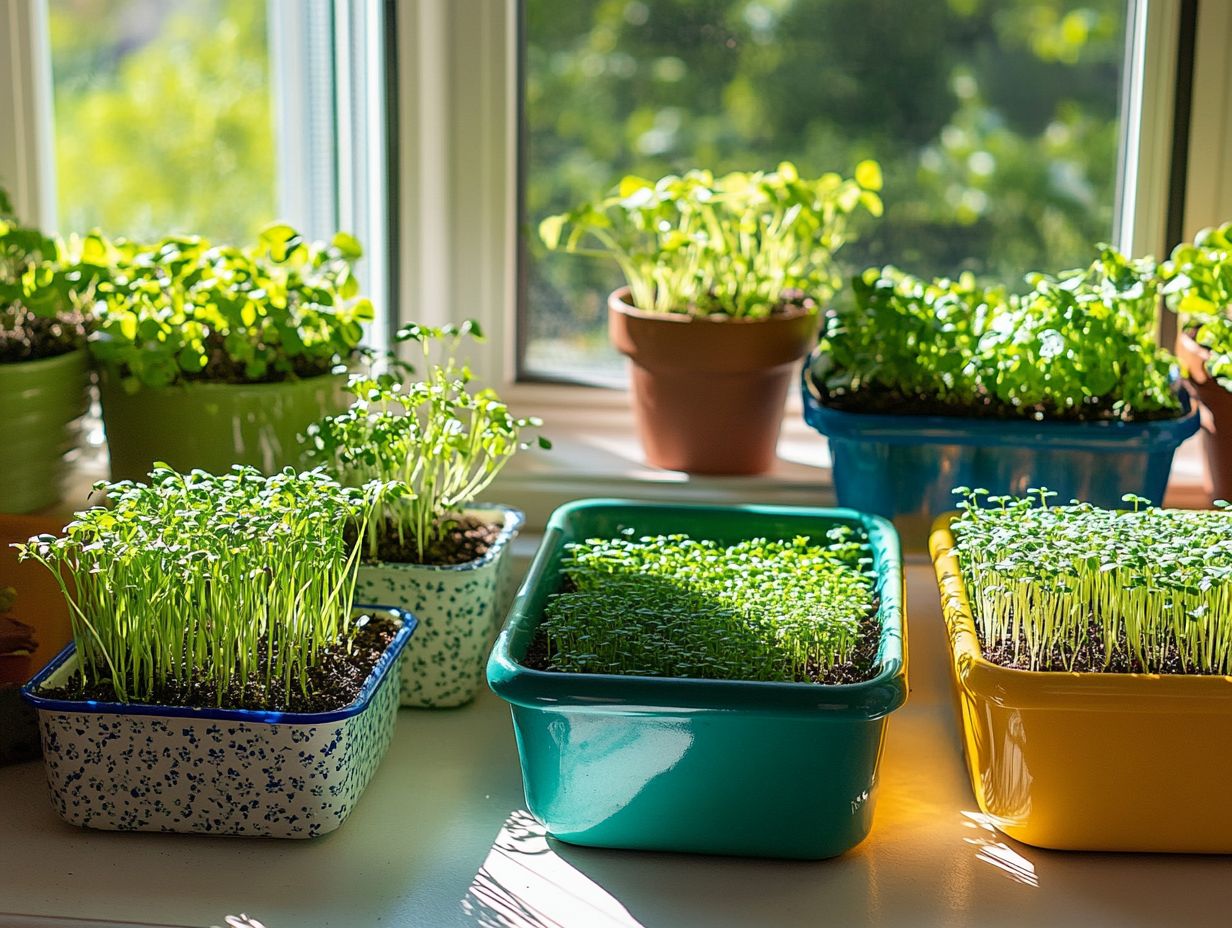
(285, 774)
(664, 725)
(1090, 672)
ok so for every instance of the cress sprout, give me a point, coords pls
(184, 309)
(207, 578)
(1081, 345)
(673, 606)
(435, 443)
(1152, 586)
(744, 245)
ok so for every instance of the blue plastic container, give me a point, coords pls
(906, 467)
(706, 766)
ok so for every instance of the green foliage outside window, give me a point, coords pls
(163, 119)
(995, 123)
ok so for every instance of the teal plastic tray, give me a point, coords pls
(719, 767)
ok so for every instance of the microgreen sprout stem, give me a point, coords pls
(1153, 585)
(210, 578)
(435, 444)
(673, 606)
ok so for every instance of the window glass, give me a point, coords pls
(995, 122)
(162, 117)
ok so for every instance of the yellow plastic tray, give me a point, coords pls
(1089, 761)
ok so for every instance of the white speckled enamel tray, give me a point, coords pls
(459, 609)
(218, 771)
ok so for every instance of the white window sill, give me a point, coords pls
(595, 453)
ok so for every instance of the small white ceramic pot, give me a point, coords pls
(459, 609)
(124, 767)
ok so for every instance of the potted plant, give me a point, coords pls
(44, 371)
(1199, 290)
(921, 386)
(706, 679)
(242, 343)
(218, 680)
(724, 280)
(1094, 669)
(438, 442)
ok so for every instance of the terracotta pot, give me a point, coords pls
(708, 393)
(1215, 412)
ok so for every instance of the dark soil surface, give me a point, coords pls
(1088, 659)
(26, 337)
(863, 665)
(220, 368)
(893, 402)
(466, 539)
(333, 684)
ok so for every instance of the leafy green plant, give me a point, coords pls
(37, 318)
(1078, 346)
(436, 443)
(1148, 588)
(742, 245)
(182, 309)
(208, 578)
(672, 606)
(1198, 289)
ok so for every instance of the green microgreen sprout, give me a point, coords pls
(1153, 586)
(1082, 345)
(183, 309)
(673, 606)
(1198, 289)
(38, 318)
(741, 245)
(435, 443)
(208, 578)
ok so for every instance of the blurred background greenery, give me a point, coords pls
(163, 117)
(995, 122)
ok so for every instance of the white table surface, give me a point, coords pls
(441, 838)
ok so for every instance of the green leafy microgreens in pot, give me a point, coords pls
(672, 606)
(436, 443)
(182, 309)
(38, 319)
(1199, 289)
(1078, 346)
(741, 245)
(1154, 583)
(211, 578)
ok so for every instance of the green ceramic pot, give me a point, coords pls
(211, 425)
(41, 404)
(720, 767)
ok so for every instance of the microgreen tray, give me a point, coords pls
(123, 767)
(1088, 761)
(710, 766)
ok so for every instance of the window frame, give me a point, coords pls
(333, 94)
(459, 140)
(448, 207)
(460, 148)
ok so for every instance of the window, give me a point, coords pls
(163, 117)
(216, 117)
(996, 123)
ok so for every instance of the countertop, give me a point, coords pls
(441, 838)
